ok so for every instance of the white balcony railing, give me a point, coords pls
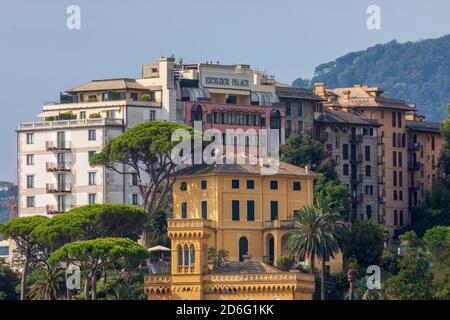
(70, 123)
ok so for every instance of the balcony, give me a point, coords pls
(357, 159)
(381, 200)
(279, 224)
(64, 124)
(356, 138)
(357, 178)
(57, 167)
(58, 146)
(413, 165)
(380, 179)
(58, 188)
(381, 160)
(413, 146)
(380, 139)
(181, 224)
(53, 106)
(52, 209)
(414, 185)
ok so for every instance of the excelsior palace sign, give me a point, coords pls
(226, 81)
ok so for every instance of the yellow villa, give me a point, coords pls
(236, 208)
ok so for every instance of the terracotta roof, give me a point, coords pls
(341, 117)
(284, 169)
(423, 126)
(297, 93)
(245, 267)
(108, 84)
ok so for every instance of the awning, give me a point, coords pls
(265, 98)
(195, 94)
(158, 248)
(48, 114)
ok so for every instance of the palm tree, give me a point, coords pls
(318, 233)
(49, 285)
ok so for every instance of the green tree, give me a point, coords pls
(28, 250)
(338, 195)
(301, 151)
(8, 282)
(217, 257)
(90, 222)
(49, 284)
(365, 242)
(93, 255)
(145, 152)
(158, 230)
(437, 244)
(414, 280)
(318, 234)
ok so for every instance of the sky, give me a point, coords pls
(40, 56)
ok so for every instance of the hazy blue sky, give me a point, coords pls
(39, 56)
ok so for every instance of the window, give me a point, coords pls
(30, 138)
(369, 212)
(91, 154)
(367, 153)
(399, 122)
(235, 184)
(400, 179)
(110, 114)
(273, 185)
(394, 178)
(82, 114)
(92, 198)
(395, 195)
(134, 200)
(250, 210)
(183, 186)
(345, 151)
(400, 159)
(403, 140)
(204, 184)
(369, 190)
(204, 209)
(395, 218)
(92, 135)
(273, 210)
(152, 115)
(250, 184)
(183, 210)
(92, 178)
(401, 218)
(30, 159)
(345, 169)
(394, 119)
(134, 96)
(235, 210)
(433, 143)
(394, 158)
(134, 179)
(400, 195)
(30, 182)
(368, 171)
(288, 107)
(216, 117)
(394, 140)
(30, 202)
(296, 186)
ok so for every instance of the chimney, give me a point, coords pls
(319, 89)
(347, 94)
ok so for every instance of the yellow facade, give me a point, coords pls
(246, 214)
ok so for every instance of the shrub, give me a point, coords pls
(94, 116)
(284, 263)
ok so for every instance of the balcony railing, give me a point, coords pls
(58, 188)
(380, 179)
(186, 269)
(188, 223)
(358, 158)
(58, 145)
(413, 166)
(413, 146)
(53, 209)
(356, 138)
(57, 167)
(279, 224)
(70, 123)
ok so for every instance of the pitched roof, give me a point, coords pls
(284, 169)
(342, 117)
(423, 126)
(108, 84)
(297, 93)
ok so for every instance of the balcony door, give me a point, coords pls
(243, 248)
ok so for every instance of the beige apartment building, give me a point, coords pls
(398, 144)
(351, 141)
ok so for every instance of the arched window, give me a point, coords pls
(243, 248)
(196, 113)
(192, 255)
(394, 139)
(180, 255)
(275, 119)
(403, 140)
(186, 255)
(399, 140)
